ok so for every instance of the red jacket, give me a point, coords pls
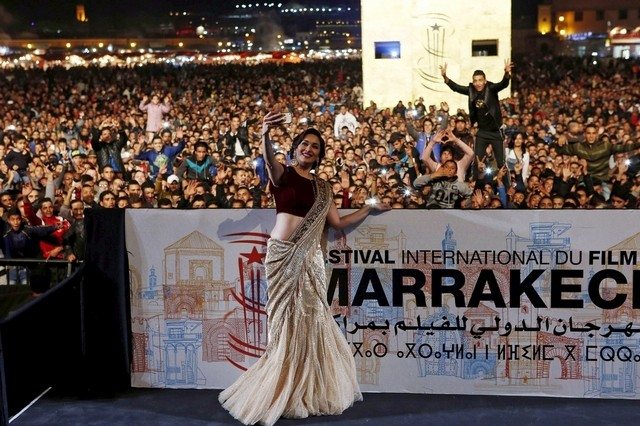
(55, 239)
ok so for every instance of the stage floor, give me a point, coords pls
(201, 407)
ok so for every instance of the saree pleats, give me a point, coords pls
(307, 368)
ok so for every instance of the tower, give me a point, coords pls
(81, 15)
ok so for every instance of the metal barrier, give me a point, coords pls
(6, 264)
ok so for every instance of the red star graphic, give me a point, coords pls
(254, 256)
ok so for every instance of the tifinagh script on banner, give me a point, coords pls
(536, 303)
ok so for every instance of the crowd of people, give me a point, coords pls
(161, 136)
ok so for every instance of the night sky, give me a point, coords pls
(27, 15)
(23, 15)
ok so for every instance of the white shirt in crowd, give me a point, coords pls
(344, 118)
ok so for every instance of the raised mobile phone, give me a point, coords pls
(287, 118)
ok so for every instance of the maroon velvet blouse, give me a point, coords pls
(294, 195)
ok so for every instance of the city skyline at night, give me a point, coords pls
(34, 18)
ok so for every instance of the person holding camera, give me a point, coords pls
(107, 142)
(160, 156)
(484, 108)
(307, 368)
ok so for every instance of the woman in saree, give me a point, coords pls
(307, 368)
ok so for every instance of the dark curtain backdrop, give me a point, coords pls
(106, 314)
(75, 337)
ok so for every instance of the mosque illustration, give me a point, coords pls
(195, 316)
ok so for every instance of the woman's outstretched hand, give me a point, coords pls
(376, 205)
(271, 119)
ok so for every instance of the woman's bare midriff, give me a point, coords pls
(285, 225)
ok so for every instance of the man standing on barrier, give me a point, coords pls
(484, 109)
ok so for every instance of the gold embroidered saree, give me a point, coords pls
(308, 368)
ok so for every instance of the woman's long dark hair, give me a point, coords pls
(512, 141)
(300, 137)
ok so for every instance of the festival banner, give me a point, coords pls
(441, 301)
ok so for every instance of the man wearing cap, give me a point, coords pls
(77, 159)
(173, 180)
(484, 109)
(460, 130)
(92, 157)
(172, 185)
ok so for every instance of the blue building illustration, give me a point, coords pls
(181, 348)
(449, 244)
(151, 292)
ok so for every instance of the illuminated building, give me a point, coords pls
(81, 15)
(591, 27)
(269, 26)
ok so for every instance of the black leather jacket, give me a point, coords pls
(230, 142)
(108, 154)
(490, 98)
